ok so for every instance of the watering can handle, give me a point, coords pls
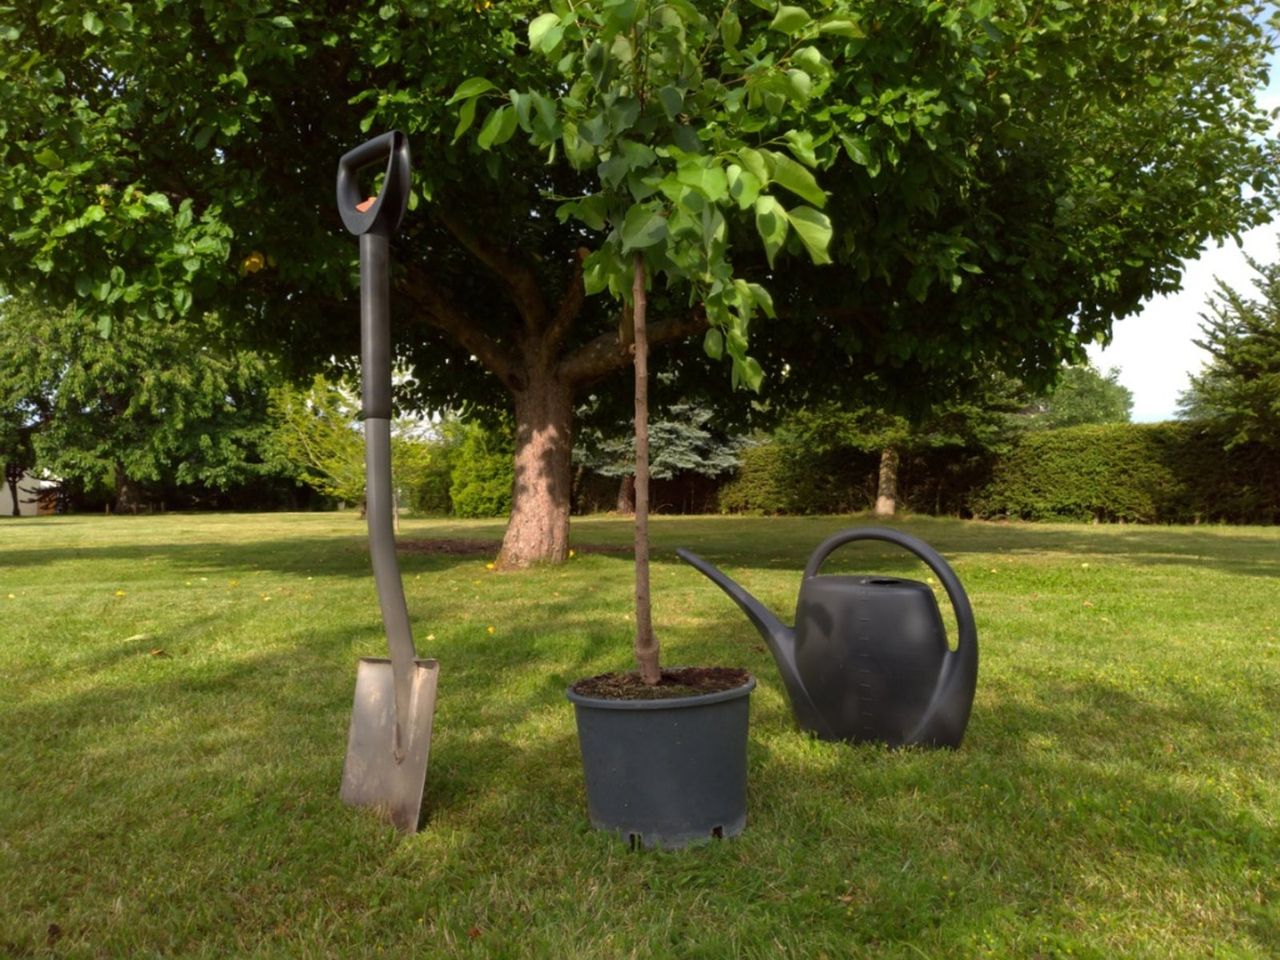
(384, 214)
(968, 636)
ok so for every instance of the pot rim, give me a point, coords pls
(661, 703)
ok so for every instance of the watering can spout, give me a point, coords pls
(780, 639)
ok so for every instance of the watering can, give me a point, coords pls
(867, 659)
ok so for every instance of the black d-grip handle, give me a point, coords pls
(968, 638)
(383, 216)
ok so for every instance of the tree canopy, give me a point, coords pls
(1082, 394)
(1005, 181)
(159, 402)
(1238, 389)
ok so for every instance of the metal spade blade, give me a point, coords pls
(371, 776)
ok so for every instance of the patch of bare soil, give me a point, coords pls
(481, 548)
(682, 682)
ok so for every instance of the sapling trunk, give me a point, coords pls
(646, 641)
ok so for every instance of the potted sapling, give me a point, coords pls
(679, 127)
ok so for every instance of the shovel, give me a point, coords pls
(395, 701)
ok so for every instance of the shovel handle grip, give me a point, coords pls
(383, 216)
(968, 636)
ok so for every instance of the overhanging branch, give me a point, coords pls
(439, 311)
(518, 276)
(603, 355)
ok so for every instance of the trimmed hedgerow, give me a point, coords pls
(1139, 473)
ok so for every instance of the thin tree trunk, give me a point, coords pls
(887, 492)
(538, 528)
(646, 641)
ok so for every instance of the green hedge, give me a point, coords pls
(1136, 473)
(775, 478)
(1132, 473)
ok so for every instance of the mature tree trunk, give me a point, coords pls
(538, 529)
(531, 360)
(646, 641)
(626, 495)
(887, 492)
(128, 493)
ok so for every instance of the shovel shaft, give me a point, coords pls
(375, 352)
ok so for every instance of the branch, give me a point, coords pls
(441, 312)
(570, 305)
(516, 273)
(604, 354)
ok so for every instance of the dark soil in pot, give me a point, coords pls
(681, 682)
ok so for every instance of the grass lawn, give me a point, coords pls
(175, 692)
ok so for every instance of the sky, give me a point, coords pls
(1153, 349)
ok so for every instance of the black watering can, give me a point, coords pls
(868, 658)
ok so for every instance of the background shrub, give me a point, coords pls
(482, 473)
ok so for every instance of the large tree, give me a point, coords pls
(1006, 180)
(169, 403)
(1082, 394)
(1238, 389)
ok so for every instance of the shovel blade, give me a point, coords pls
(371, 777)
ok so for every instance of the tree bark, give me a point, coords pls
(538, 529)
(646, 641)
(128, 495)
(887, 491)
(542, 376)
(626, 495)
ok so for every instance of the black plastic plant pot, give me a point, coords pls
(666, 773)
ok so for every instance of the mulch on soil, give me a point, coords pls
(682, 682)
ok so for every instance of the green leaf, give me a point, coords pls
(466, 116)
(117, 276)
(470, 88)
(104, 326)
(764, 299)
(83, 285)
(672, 100)
(644, 226)
(787, 173)
(857, 148)
(843, 28)
(704, 175)
(751, 374)
(92, 22)
(589, 210)
(814, 230)
(744, 186)
(772, 225)
(498, 128)
(730, 30)
(48, 157)
(158, 202)
(713, 344)
(753, 161)
(800, 83)
(545, 32)
(790, 20)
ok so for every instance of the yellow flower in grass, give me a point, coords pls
(490, 566)
(120, 593)
(572, 554)
(492, 631)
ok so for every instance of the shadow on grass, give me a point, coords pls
(1085, 800)
(786, 543)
